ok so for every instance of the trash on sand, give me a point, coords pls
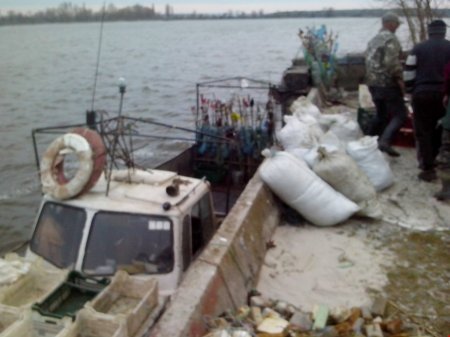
(270, 318)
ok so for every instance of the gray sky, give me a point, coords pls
(200, 6)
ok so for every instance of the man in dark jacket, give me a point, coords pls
(443, 159)
(424, 75)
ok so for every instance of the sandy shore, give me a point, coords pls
(404, 256)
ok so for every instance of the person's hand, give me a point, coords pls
(401, 84)
(445, 101)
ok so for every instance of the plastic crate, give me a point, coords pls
(88, 324)
(67, 299)
(32, 287)
(9, 318)
(129, 299)
(29, 326)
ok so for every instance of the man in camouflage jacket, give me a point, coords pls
(384, 76)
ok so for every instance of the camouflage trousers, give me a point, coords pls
(443, 158)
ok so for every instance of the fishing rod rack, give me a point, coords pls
(227, 141)
(125, 136)
(242, 113)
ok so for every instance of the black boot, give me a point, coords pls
(444, 193)
(427, 175)
(388, 149)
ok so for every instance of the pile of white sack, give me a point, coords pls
(12, 268)
(328, 170)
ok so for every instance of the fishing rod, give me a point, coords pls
(98, 56)
(91, 114)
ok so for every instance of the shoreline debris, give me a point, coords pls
(271, 318)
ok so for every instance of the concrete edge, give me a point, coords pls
(229, 267)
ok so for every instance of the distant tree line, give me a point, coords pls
(343, 13)
(68, 12)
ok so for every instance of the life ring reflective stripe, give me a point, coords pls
(51, 174)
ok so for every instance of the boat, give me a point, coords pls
(110, 230)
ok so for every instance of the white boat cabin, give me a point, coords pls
(145, 222)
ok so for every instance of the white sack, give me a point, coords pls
(327, 120)
(343, 174)
(295, 134)
(312, 155)
(294, 183)
(315, 131)
(366, 154)
(299, 153)
(346, 130)
(12, 269)
(302, 105)
(329, 139)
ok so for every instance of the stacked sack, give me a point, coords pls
(327, 171)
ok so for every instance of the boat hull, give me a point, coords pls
(228, 268)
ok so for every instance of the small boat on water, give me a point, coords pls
(113, 239)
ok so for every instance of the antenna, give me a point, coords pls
(122, 89)
(98, 55)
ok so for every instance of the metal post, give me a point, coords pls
(198, 104)
(122, 90)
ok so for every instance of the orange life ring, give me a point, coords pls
(89, 148)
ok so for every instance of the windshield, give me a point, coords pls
(58, 233)
(132, 242)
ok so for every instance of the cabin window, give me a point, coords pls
(58, 234)
(202, 224)
(132, 242)
(187, 242)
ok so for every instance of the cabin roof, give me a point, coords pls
(141, 192)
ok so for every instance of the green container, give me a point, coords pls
(70, 297)
(211, 171)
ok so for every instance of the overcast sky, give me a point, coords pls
(200, 6)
